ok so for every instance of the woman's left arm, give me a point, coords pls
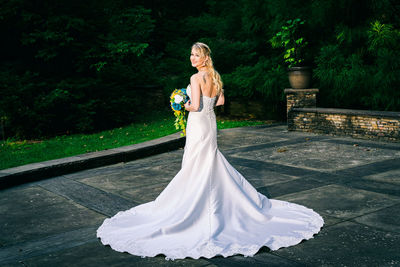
(195, 100)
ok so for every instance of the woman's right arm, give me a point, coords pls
(221, 100)
(194, 103)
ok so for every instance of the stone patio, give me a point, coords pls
(354, 184)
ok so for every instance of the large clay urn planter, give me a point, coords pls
(299, 77)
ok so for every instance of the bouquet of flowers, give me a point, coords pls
(178, 99)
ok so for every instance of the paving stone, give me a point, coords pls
(20, 251)
(259, 177)
(16, 264)
(322, 156)
(367, 144)
(249, 148)
(373, 168)
(146, 193)
(229, 139)
(273, 167)
(100, 171)
(331, 177)
(171, 158)
(390, 177)
(121, 180)
(95, 254)
(262, 258)
(33, 213)
(340, 201)
(129, 183)
(92, 198)
(329, 220)
(289, 187)
(374, 186)
(347, 244)
(384, 219)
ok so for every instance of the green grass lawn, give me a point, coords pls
(15, 152)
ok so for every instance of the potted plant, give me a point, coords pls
(289, 38)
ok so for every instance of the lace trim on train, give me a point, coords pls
(210, 249)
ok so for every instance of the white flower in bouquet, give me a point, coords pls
(178, 99)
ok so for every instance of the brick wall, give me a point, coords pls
(303, 115)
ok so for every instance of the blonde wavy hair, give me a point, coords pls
(205, 51)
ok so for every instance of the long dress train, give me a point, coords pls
(208, 208)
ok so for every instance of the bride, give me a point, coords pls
(208, 208)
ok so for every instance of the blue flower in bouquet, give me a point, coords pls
(176, 106)
(185, 97)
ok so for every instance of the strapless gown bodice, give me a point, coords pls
(207, 104)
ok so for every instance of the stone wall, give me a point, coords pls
(303, 115)
(301, 98)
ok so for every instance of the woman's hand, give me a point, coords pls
(187, 105)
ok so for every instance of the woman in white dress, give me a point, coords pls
(208, 208)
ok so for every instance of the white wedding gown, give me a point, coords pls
(208, 208)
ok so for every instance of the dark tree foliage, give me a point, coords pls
(73, 66)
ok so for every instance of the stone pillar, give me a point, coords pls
(301, 98)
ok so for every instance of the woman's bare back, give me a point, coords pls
(207, 86)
